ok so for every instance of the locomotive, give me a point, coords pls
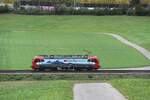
(65, 62)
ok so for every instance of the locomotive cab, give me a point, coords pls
(35, 60)
(95, 60)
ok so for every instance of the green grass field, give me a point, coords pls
(36, 90)
(22, 37)
(134, 89)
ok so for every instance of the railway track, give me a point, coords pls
(102, 71)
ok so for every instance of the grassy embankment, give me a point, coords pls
(22, 37)
(134, 89)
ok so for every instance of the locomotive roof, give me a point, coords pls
(65, 56)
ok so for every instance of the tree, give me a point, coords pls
(8, 1)
(134, 3)
(16, 4)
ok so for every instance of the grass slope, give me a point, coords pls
(134, 89)
(36, 90)
(23, 37)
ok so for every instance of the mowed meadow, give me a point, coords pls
(132, 89)
(23, 37)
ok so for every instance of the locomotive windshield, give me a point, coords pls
(92, 60)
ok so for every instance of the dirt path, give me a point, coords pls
(142, 50)
(96, 91)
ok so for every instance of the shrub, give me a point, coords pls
(83, 11)
(148, 12)
(107, 11)
(33, 11)
(99, 12)
(16, 5)
(141, 11)
(64, 10)
(61, 9)
(4, 9)
(117, 11)
(130, 11)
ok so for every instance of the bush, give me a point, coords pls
(141, 11)
(114, 11)
(4, 9)
(130, 11)
(64, 10)
(117, 11)
(107, 11)
(148, 12)
(33, 11)
(16, 5)
(84, 11)
(99, 12)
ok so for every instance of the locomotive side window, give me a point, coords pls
(42, 60)
(38, 60)
(92, 60)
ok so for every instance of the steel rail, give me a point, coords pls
(102, 71)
